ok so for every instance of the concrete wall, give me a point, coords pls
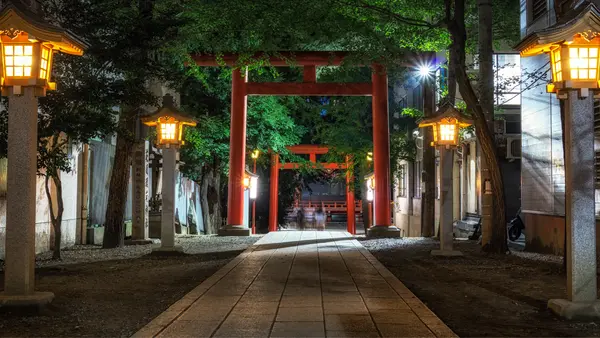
(44, 231)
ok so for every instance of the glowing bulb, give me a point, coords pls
(425, 70)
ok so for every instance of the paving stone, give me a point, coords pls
(245, 326)
(341, 297)
(399, 330)
(395, 317)
(374, 304)
(345, 308)
(189, 328)
(300, 314)
(298, 329)
(358, 334)
(349, 323)
(300, 301)
(255, 308)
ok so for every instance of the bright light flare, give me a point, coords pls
(426, 70)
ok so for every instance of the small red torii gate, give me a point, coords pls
(241, 88)
(312, 151)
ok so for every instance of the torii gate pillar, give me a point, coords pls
(237, 156)
(381, 156)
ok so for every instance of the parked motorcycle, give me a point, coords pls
(516, 227)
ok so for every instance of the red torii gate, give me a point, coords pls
(312, 151)
(241, 88)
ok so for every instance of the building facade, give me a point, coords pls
(543, 176)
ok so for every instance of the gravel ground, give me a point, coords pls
(113, 293)
(483, 295)
(191, 245)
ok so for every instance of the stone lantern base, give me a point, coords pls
(383, 232)
(446, 253)
(234, 230)
(571, 310)
(34, 299)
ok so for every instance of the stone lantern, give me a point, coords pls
(446, 125)
(573, 48)
(27, 44)
(169, 123)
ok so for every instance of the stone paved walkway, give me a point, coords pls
(300, 284)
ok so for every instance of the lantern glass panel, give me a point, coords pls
(45, 63)
(583, 62)
(18, 60)
(447, 132)
(167, 131)
(253, 187)
(557, 65)
(246, 182)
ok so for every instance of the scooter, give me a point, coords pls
(516, 227)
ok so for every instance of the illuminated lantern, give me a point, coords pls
(370, 156)
(370, 186)
(255, 153)
(446, 126)
(27, 47)
(250, 183)
(169, 122)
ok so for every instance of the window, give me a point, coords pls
(417, 180)
(507, 84)
(402, 180)
(538, 9)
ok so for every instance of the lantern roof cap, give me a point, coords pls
(584, 20)
(250, 173)
(16, 18)
(446, 111)
(369, 175)
(168, 109)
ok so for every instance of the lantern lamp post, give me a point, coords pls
(27, 45)
(574, 51)
(255, 153)
(446, 125)
(169, 123)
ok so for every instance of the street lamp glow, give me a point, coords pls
(370, 156)
(255, 154)
(446, 126)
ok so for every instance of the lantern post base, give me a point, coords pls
(176, 249)
(234, 230)
(29, 300)
(382, 231)
(571, 310)
(446, 253)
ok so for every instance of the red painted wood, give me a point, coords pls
(254, 203)
(308, 149)
(310, 74)
(237, 146)
(274, 190)
(351, 211)
(331, 166)
(309, 89)
(381, 146)
(313, 158)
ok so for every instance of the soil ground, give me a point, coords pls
(483, 295)
(115, 298)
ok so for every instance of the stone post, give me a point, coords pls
(19, 275)
(447, 207)
(580, 212)
(140, 225)
(167, 232)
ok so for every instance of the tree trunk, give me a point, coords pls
(210, 198)
(114, 234)
(457, 29)
(55, 219)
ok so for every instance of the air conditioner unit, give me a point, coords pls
(513, 146)
(499, 127)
